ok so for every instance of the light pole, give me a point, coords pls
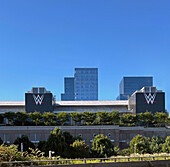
(22, 147)
(50, 154)
(136, 145)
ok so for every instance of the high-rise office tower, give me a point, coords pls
(83, 86)
(86, 83)
(68, 89)
(129, 85)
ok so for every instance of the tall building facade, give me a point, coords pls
(129, 85)
(83, 86)
(86, 83)
(68, 89)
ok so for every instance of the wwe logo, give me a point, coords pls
(38, 99)
(150, 98)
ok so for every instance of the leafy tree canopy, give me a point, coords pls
(59, 142)
(160, 119)
(26, 143)
(147, 118)
(166, 145)
(89, 117)
(11, 153)
(79, 149)
(156, 144)
(128, 119)
(141, 144)
(36, 117)
(63, 117)
(102, 146)
(103, 117)
(49, 118)
(114, 117)
(21, 117)
(76, 116)
(10, 116)
(1, 141)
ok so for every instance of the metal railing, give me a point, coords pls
(86, 160)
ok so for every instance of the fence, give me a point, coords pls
(86, 160)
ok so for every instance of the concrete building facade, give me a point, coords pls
(120, 136)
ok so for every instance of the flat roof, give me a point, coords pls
(72, 103)
(92, 103)
(12, 103)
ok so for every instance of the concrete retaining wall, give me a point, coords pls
(121, 136)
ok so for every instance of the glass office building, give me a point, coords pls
(83, 86)
(68, 89)
(129, 85)
(86, 83)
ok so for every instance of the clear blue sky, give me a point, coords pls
(42, 41)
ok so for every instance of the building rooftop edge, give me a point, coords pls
(72, 103)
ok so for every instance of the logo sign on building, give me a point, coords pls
(150, 95)
(38, 99)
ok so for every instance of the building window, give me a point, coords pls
(94, 134)
(109, 134)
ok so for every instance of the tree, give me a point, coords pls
(49, 118)
(166, 145)
(26, 143)
(160, 119)
(10, 116)
(125, 152)
(68, 139)
(76, 116)
(11, 153)
(168, 121)
(147, 118)
(1, 141)
(102, 146)
(36, 117)
(103, 117)
(114, 117)
(79, 149)
(63, 117)
(56, 142)
(21, 118)
(77, 138)
(127, 119)
(42, 146)
(156, 144)
(140, 144)
(89, 117)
